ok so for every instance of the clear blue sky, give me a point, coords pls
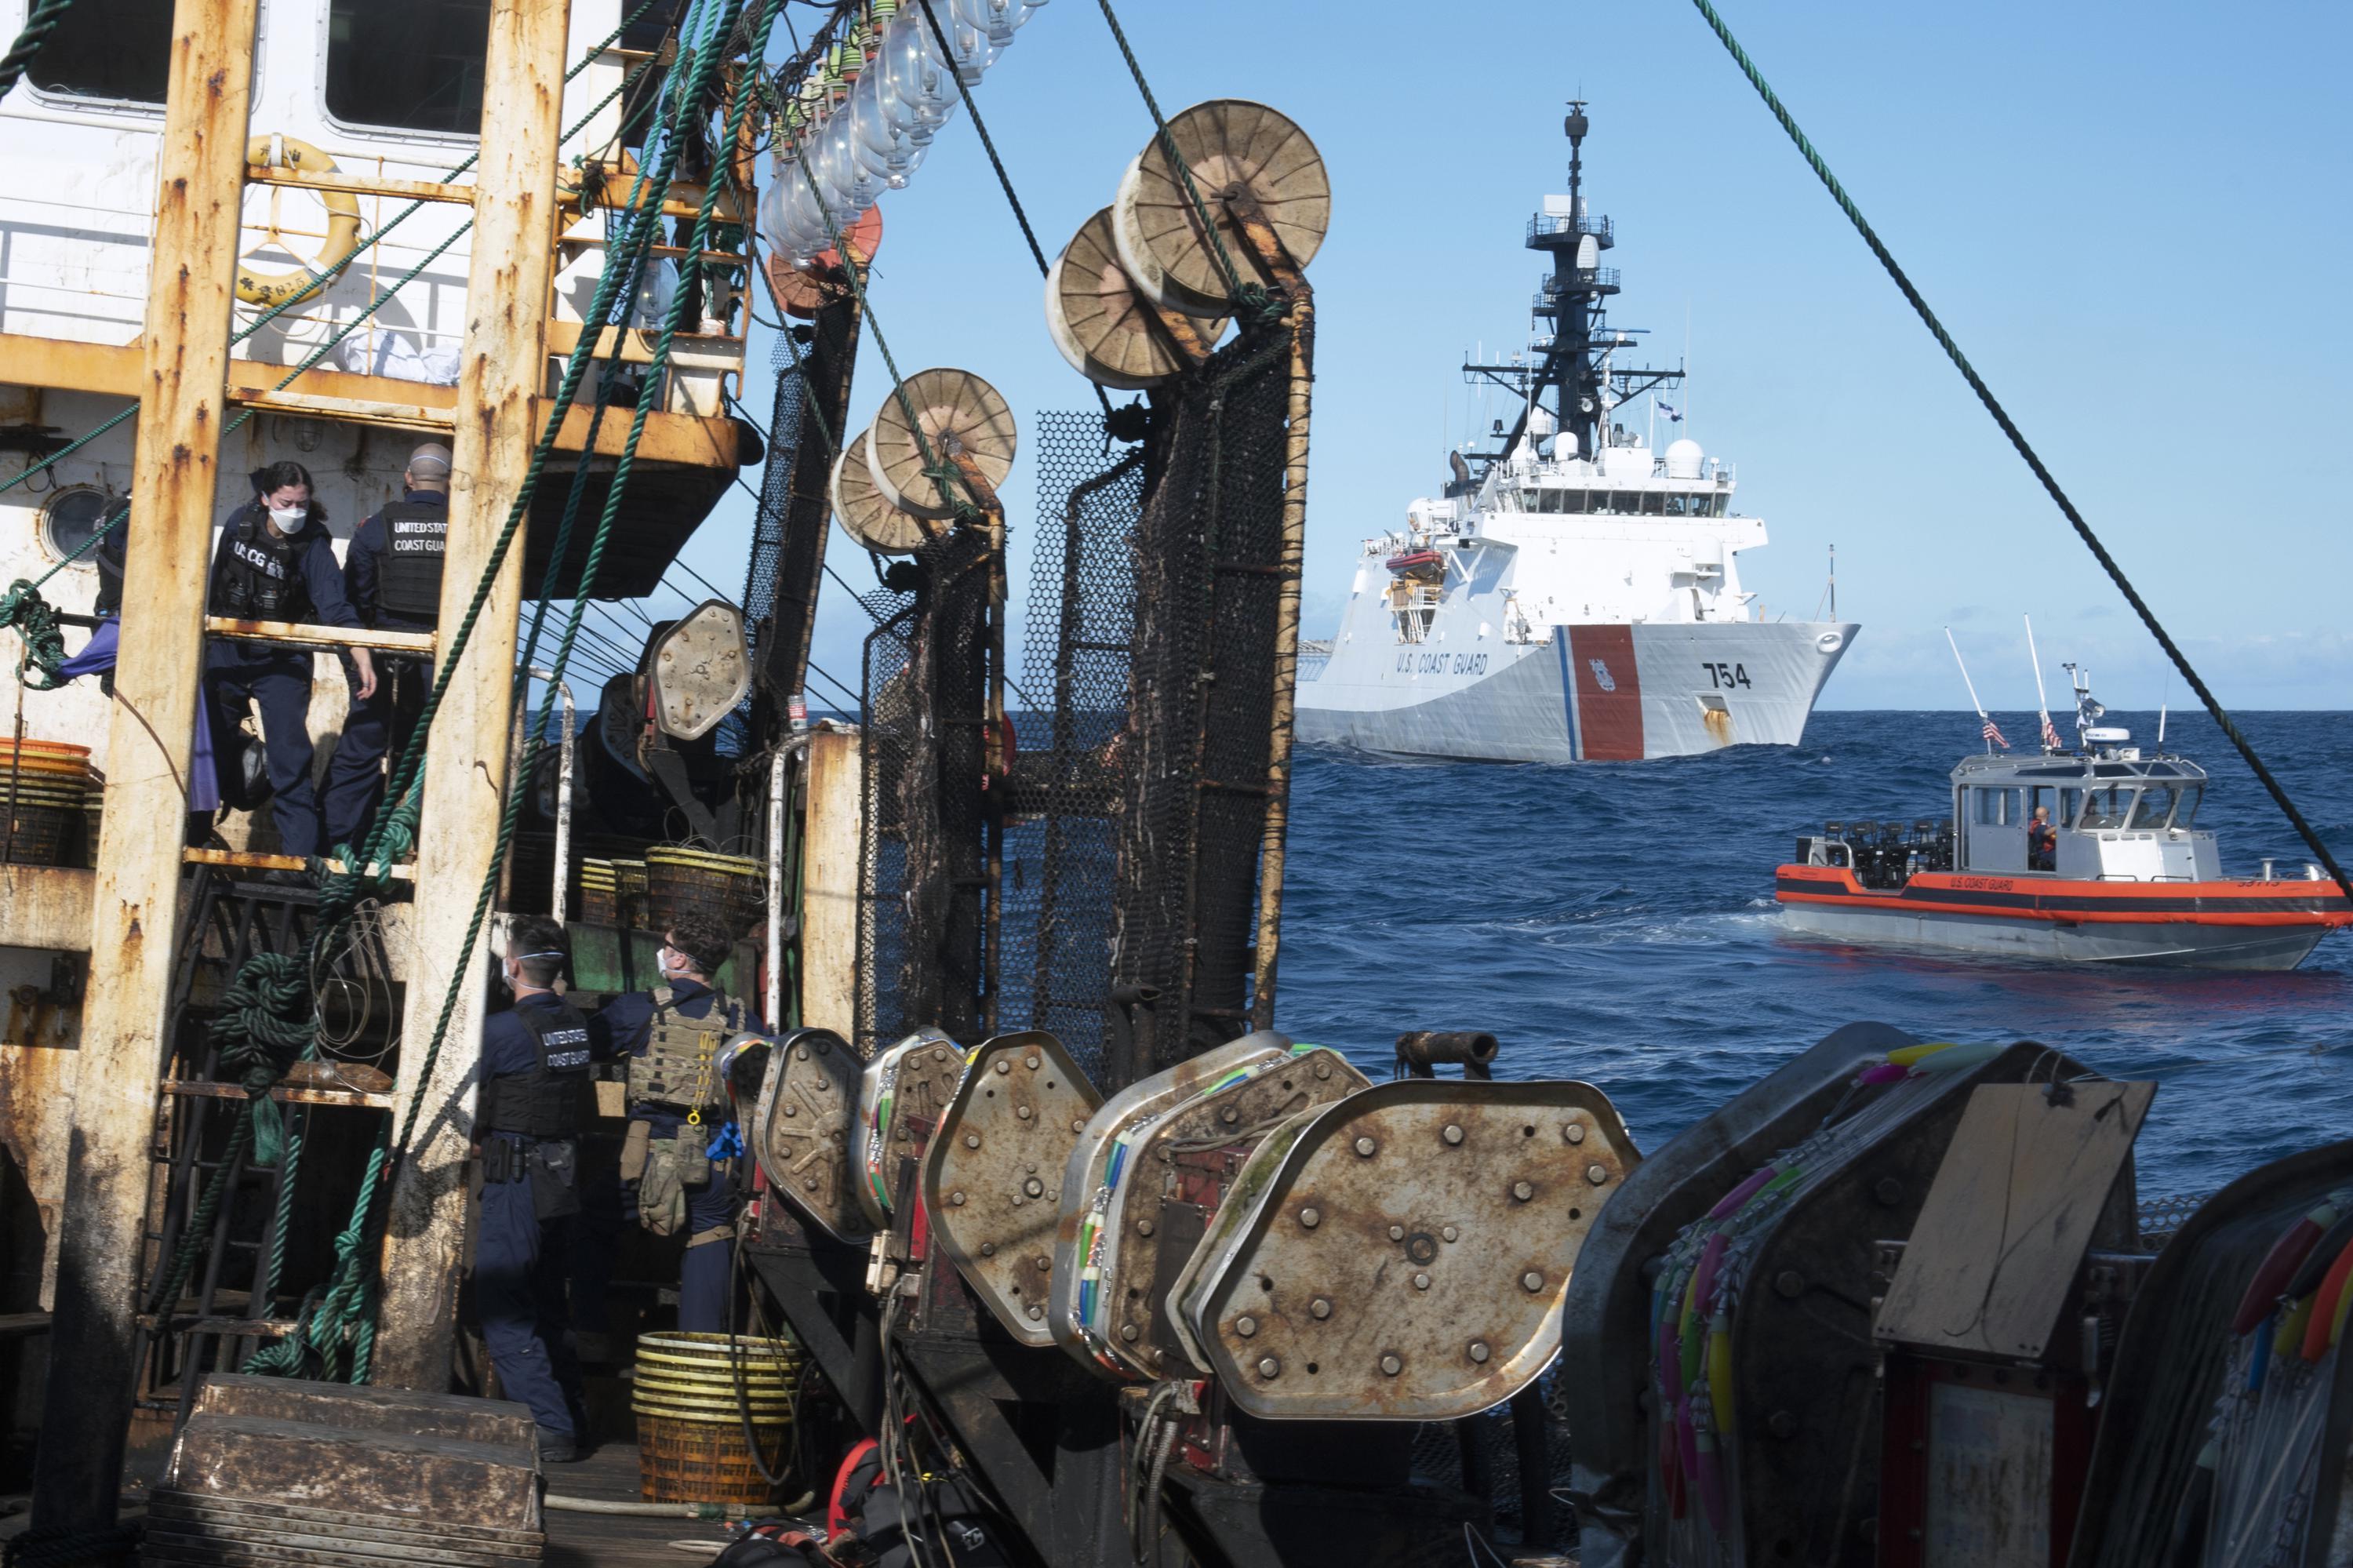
(2133, 219)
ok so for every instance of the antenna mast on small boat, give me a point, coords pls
(1991, 734)
(2041, 698)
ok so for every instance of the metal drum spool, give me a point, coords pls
(1100, 323)
(801, 1130)
(1403, 1254)
(863, 512)
(992, 1175)
(1090, 1178)
(912, 1080)
(1235, 150)
(960, 415)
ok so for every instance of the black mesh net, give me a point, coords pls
(762, 575)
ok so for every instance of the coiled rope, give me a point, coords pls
(38, 26)
(2025, 449)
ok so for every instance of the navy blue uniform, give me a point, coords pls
(622, 1028)
(380, 724)
(520, 1260)
(276, 679)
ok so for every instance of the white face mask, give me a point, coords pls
(289, 517)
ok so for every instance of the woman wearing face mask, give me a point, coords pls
(276, 561)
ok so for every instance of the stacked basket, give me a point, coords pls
(690, 1394)
(681, 881)
(45, 787)
(597, 906)
(629, 895)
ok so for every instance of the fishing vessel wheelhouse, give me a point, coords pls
(2089, 855)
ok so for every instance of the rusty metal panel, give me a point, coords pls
(906, 1083)
(340, 1405)
(306, 1464)
(801, 1129)
(184, 1527)
(993, 1174)
(1090, 1178)
(1184, 1160)
(1405, 1253)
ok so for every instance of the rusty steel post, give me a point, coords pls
(135, 911)
(1301, 321)
(508, 276)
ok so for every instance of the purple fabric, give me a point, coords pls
(99, 654)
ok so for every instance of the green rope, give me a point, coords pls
(350, 1302)
(1250, 295)
(38, 26)
(2018, 440)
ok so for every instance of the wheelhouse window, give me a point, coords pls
(2110, 806)
(416, 67)
(2185, 815)
(114, 49)
(1996, 807)
(2156, 805)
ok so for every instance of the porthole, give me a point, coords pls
(72, 516)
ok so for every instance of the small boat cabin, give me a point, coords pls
(2105, 814)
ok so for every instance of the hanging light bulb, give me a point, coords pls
(922, 80)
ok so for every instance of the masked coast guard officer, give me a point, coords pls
(277, 561)
(392, 574)
(534, 1073)
(677, 1157)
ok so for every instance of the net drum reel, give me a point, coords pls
(1104, 326)
(801, 1130)
(1261, 179)
(1174, 1181)
(1403, 1254)
(1090, 1182)
(863, 512)
(965, 423)
(906, 1083)
(992, 1177)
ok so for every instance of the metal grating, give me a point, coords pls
(1062, 800)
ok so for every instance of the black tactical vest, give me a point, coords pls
(416, 541)
(258, 575)
(546, 1101)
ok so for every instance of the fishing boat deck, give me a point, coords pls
(619, 1541)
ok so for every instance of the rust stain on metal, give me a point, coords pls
(801, 1129)
(1419, 1253)
(992, 1175)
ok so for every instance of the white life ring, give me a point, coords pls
(274, 289)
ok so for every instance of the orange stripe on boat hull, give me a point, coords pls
(2071, 903)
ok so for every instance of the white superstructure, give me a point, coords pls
(1577, 597)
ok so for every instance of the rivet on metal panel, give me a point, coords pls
(1034, 1188)
(939, 1052)
(1003, 1066)
(1129, 1332)
(1024, 1112)
(1321, 1307)
(1311, 1218)
(1479, 1351)
(1270, 1367)
(1245, 1325)
(957, 1199)
(1036, 1312)
(1143, 1227)
(1230, 1114)
(1597, 1174)
(1366, 1146)
(801, 1052)
(1392, 1363)
(1078, 1124)
(1323, 1069)
(1397, 1233)
(792, 1110)
(1043, 1264)
(1573, 1132)
(972, 1140)
(1522, 1192)
(1531, 1281)
(988, 1249)
(1421, 1282)
(1450, 1234)
(1030, 1062)
(1454, 1134)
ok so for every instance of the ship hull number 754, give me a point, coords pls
(1720, 676)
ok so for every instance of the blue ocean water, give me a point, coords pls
(1614, 922)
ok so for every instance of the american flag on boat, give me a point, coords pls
(2050, 736)
(1994, 736)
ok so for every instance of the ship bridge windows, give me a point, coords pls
(118, 50)
(1996, 807)
(2165, 805)
(416, 67)
(2109, 806)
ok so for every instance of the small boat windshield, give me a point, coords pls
(2150, 806)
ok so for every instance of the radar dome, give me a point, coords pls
(1683, 459)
